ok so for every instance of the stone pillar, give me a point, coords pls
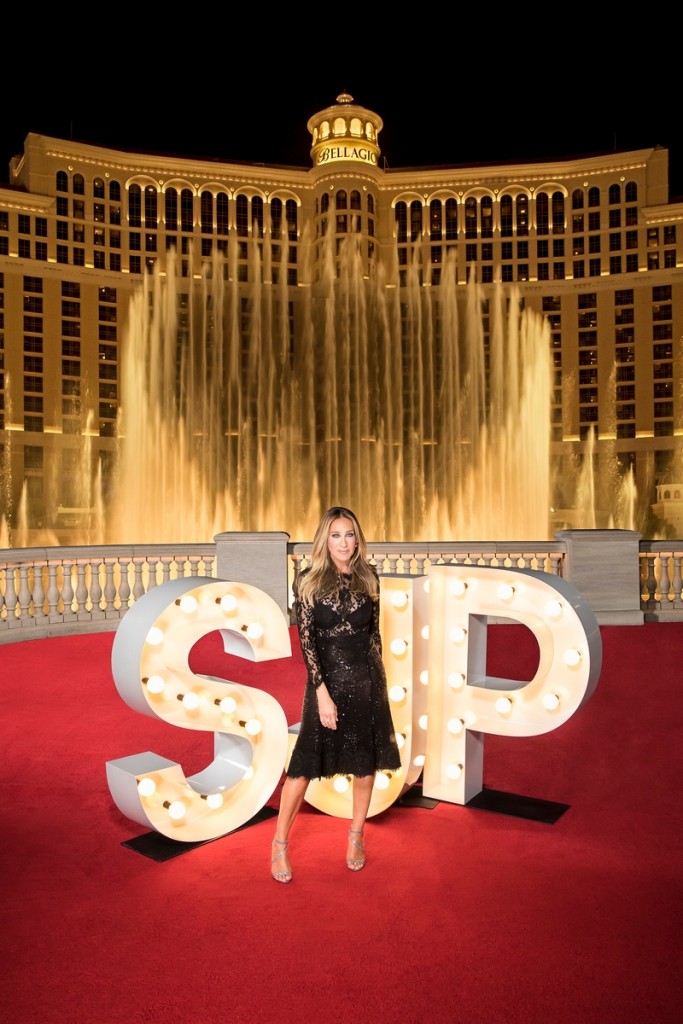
(259, 559)
(604, 566)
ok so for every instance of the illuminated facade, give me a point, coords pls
(593, 243)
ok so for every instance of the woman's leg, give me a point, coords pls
(291, 798)
(362, 794)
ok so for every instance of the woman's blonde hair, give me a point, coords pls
(320, 577)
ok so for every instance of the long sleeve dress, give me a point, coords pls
(341, 646)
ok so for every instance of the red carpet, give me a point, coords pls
(461, 916)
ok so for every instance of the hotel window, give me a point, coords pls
(451, 220)
(594, 196)
(506, 250)
(486, 214)
(669, 233)
(652, 237)
(593, 221)
(661, 371)
(187, 210)
(470, 218)
(577, 199)
(614, 194)
(615, 241)
(415, 220)
(435, 230)
(135, 265)
(663, 311)
(577, 223)
(79, 185)
(594, 268)
(543, 272)
(151, 215)
(542, 249)
(135, 206)
(292, 219)
(626, 372)
(615, 218)
(222, 213)
(62, 181)
(615, 264)
(506, 217)
(98, 213)
(542, 213)
(171, 209)
(115, 261)
(588, 338)
(98, 188)
(558, 213)
(578, 268)
(340, 199)
(631, 192)
(63, 230)
(62, 206)
(24, 248)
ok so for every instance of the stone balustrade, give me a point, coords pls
(59, 590)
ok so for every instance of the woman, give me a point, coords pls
(346, 725)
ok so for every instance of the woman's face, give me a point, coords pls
(341, 542)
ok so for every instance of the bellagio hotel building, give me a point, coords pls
(593, 243)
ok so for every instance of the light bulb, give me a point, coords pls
(422, 722)
(397, 693)
(399, 599)
(382, 780)
(400, 740)
(248, 773)
(213, 800)
(187, 604)
(190, 701)
(147, 786)
(455, 725)
(571, 657)
(550, 701)
(226, 704)
(176, 809)
(456, 680)
(254, 630)
(398, 647)
(424, 632)
(252, 726)
(506, 591)
(503, 705)
(457, 587)
(155, 636)
(457, 634)
(228, 602)
(341, 784)
(419, 760)
(424, 677)
(454, 771)
(155, 684)
(553, 609)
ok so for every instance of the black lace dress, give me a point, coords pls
(341, 645)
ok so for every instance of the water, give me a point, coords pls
(377, 398)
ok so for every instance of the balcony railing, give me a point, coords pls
(53, 591)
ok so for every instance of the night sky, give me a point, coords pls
(521, 104)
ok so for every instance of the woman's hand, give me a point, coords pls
(326, 708)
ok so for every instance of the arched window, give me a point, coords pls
(542, 213)
(486, 215)
(506, 217)
(222, 216)
(62, 181)
(276, 217)
(371, 204)
(171, 210)
(558, 213)
(151, 216)
(471, 217)
(206, 213)
(522, 214)
(325, 202)
(594, 196)
(79, 185)
(415, 220)
(435, 215)
(631, 192)
(186, 210)
(451, 220)
(401, 215)
(135, 206)
(614, 194)
(115, 191)
(98, 188)
(242, 211)
(257, 216)
(355, 199)
(577, 199)
(341, 199)
(291, 213)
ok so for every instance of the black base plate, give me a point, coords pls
(528, 807)
(161, 848)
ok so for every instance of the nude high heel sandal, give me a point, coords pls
(285, 875)
(355, 864)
